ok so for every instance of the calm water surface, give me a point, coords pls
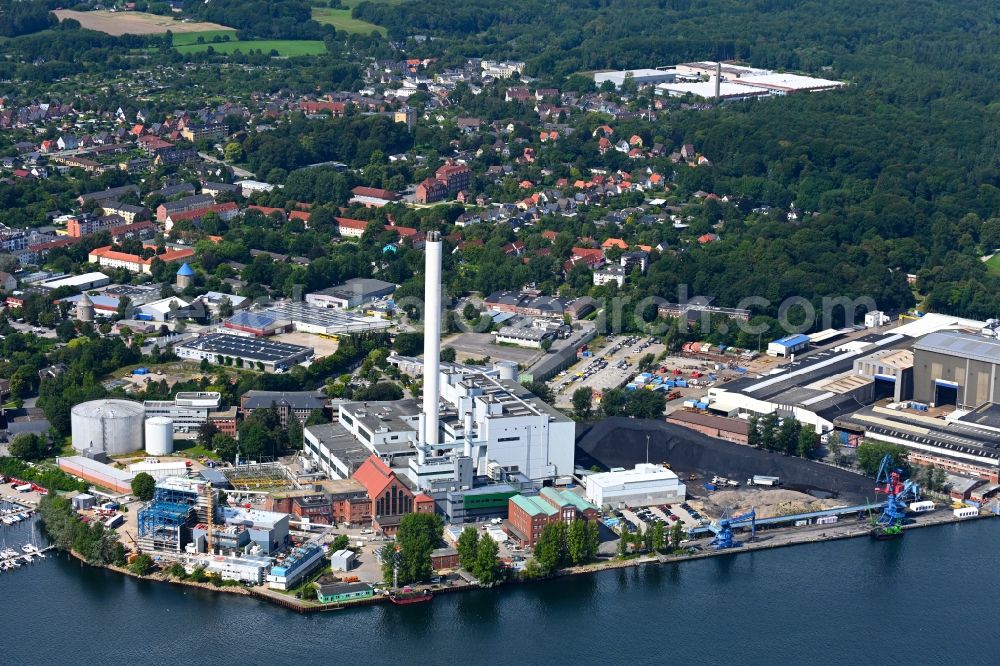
(927, 599)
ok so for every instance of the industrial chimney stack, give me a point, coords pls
(432, 337)
(718, 81)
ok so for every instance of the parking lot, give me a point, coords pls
(26, 328)
(610, 367)
(667, 514)
(478, 345)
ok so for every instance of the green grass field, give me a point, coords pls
(341, 19)
(188, 38)
(993, 264)
(284, 47)
(193, 449)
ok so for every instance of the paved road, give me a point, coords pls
(241, 173)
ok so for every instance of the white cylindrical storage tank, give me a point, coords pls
(111, 426)
(506, 370)
(159, 436)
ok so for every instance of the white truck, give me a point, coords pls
(723, 481)
(758, 480)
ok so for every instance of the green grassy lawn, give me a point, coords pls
(188, 38)
(284, 47)
(341, 19)
(192, 449)
(993, 264)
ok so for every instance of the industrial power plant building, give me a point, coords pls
(468, 422)
(645, 485)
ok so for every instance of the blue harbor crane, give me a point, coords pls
(889, 482)
(723, 528)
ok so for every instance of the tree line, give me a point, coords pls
(96, 544)
(787, 435)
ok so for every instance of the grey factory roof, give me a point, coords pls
(484, 490)
(254, 349)
(334, 320)
(962, 345)
(361, 287)
(341, 444)
(986, 415)
(807, 369)
(528, 301)
(255, 320)
(533, 402)
(293, 399)
(383, 416)
(957, 437)
(529, 333)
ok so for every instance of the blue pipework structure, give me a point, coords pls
(724, 532)
(889, 482)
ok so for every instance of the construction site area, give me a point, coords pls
(261, 478)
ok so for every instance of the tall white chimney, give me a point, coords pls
(467, 449)
(432, 336)
(718, 81)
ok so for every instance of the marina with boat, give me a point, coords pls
(15, 514)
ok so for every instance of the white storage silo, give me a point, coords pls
(111, 426)
(506, 370)
(159, 436)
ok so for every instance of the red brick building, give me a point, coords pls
(528, 516)
(456, 177)
(444, 558)
(225, 421)
(431, 190)
(448, 180)
(349, 502)
(328, 502)
(336, 109)
(720, 427)
(390, 500)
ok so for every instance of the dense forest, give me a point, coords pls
(287, 19)
(303, 142)
(897, 174)
(23, 18)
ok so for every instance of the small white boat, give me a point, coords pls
(27, 548)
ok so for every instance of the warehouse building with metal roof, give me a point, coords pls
(952, 368)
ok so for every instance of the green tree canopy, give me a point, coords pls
(143, 486)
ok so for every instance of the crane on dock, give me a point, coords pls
(889, 482)
(722, 529)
